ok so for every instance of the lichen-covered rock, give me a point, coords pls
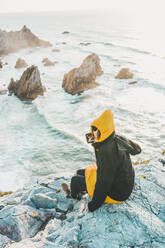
(5, 193)
(20, 222)
(20, 63)
(29, 86)
(124, 74)
(13, 41)
(83, 77)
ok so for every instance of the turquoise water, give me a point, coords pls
(47, 136)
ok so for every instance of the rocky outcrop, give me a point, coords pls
(13, 41)
(83, 77)
(20, 63)
(40, 215)
(47, 62)
(29, 86)
(124, 74)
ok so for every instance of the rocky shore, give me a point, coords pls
(39, 215)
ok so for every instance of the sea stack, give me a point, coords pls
(124, 74)
(13, 41)
(20, 63)
(29, 86)
(47, 62)
(79, 79)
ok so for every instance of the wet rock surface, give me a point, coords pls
(15, 40)
(29, 86)
(36, 216)
(20, 63)
(124, 73)
(83, 77)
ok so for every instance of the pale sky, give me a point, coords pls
(58, 5)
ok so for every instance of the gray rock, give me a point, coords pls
(139, 222)
(43, 201)
(21, 222)
(64, 204)
(4, 241)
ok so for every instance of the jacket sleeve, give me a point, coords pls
(105, 175)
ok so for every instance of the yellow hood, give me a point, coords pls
(105, 124)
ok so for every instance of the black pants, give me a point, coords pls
(78, 184)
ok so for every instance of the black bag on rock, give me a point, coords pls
(127, 145)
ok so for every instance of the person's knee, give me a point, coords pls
(74, 187)
(73, 181)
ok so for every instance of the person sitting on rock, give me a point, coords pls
(111, 179)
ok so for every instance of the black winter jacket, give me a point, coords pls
(115, 174)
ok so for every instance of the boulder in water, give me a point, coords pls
(66, 32)
(85, 43)
(13, 41)
(47, 62)
(55, 50)
(124, 74)
(133, 82)
(83, 77)
(29, 86)
(20, 63)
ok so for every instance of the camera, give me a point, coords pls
(89, 138)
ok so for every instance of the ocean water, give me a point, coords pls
(46, 137)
